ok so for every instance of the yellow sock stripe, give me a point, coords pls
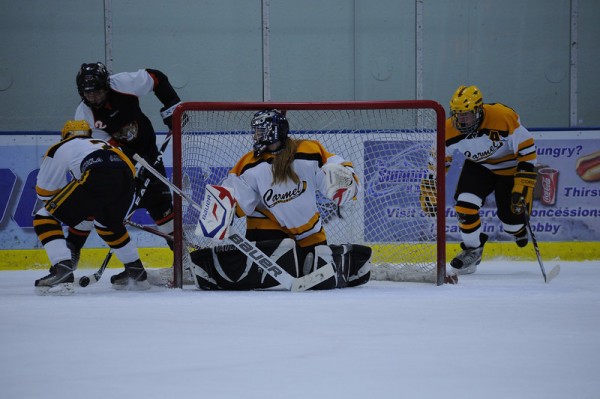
(53, 233)
(107, 234)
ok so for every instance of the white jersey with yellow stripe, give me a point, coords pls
(65, 157)
(289, 206)
(500, 143)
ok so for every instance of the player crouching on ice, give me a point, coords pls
(102, 188)
(275, 187)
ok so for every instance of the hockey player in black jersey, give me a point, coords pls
(111, 105)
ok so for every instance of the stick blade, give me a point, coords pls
(310, 280)
(553, 273)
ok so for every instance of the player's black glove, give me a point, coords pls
(522, 192)
(166, 113)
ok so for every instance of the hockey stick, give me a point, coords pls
(84, 281)
(263, 261)
(150, 230)
(556, 269)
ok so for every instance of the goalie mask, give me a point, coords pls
(75, 128)
(93, 84)
(269, 127)
(466, 108)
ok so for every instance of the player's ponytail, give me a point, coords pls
(282, 163)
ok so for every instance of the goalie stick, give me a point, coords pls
(556, 269)
(84, 281)
(263, 261)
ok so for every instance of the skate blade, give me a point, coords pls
(62, 289)
(133, 285)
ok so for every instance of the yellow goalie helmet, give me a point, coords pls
(466, 108)
(75, 128)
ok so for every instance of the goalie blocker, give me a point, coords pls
(226, 268)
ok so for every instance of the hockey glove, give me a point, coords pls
(342, 185)
(218, 210)
(428, 197)
(522, 192)
(166, 114)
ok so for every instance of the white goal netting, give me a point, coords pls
(389, 147)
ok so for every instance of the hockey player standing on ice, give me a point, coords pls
(102, 187)
(111, 105)
(275, 187)
(500, 157)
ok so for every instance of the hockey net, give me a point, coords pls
(389, 143)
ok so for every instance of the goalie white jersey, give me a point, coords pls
(284, 206)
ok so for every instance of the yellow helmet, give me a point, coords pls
(466, 108)
(75, 128)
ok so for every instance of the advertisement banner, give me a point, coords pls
(566, 198)
(566, 205)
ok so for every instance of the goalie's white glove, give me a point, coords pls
(218, 209)
(340, 182)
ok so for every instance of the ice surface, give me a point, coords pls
(500, 333)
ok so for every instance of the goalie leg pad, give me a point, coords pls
(323, 255)
(360, 264)
(203, 269)
(227, 268)
(352, 263)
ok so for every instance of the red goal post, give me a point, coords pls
(390, 144)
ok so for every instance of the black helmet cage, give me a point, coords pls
(92, 77)
(269, 127)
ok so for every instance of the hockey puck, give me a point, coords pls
(84, 281)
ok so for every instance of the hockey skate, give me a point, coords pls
(466, 262)
(134, 278)
(521, 238)
(58, 282)
(75, 254)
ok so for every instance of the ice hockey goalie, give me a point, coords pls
(226, 268)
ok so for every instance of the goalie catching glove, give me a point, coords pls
(342, 185)
(218, 209)
(428, 197)
(522, 192)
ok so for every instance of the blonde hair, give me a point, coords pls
(282, 163)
